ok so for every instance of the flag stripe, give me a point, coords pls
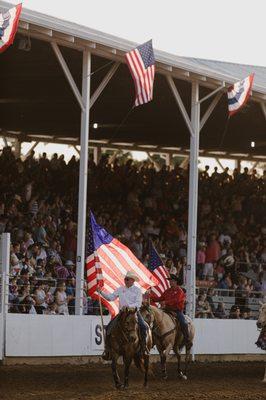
(108, 264)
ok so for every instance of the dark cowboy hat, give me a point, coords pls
(173, 278)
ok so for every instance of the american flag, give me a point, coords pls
(8, 26)
(107, 263)
(156, 266)
(238, 94)
(141, 63)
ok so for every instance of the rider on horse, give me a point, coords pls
(129, 296)
(174, 300)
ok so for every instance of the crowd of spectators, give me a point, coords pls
(135, 202)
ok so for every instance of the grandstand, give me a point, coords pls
(47, 218)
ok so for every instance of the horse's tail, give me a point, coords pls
(139, 362)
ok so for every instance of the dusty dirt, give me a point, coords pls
(206, 381)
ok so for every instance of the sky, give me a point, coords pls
(225, 30)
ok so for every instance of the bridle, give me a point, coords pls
(124, 332)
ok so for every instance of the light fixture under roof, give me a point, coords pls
(95, 125)
(252, 144)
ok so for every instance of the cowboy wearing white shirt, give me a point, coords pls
(129, 296)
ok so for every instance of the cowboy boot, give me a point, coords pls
(186, 339)
(106, 356)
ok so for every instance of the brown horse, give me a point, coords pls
(167, 336)
(261, 324)
(125, 342)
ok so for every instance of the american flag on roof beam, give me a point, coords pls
(141, 63)
(238, 94)
(8, 26)
(108, 261)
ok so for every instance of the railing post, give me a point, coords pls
(5, 261)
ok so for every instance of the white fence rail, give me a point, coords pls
(49, 335)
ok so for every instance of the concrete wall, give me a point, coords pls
(49, 336)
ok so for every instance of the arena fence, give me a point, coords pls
(53, 336)
(26, 335)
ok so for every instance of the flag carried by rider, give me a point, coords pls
(107, 263)
(156, 266)
(8, 26)
(238, 94)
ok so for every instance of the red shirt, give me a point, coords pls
(174, 298)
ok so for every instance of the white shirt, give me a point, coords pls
(128, 297)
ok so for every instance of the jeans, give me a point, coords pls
(142, 325)
(181, 318)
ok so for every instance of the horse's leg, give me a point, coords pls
(146, 367)
(163, 355)
(115, 373)
(163, 365)
(264, 380)
(178, 356)
(127, 363)
(187, 360)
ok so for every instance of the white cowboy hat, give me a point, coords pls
(132, 275)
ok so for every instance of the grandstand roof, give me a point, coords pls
(37, 102)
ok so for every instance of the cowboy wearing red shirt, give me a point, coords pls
(174, 299)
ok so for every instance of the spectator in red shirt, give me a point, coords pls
(174, 300)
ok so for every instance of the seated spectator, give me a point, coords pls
(203, 309)
(40, 298)
(235, 312)
(61, 299)
(220, 311)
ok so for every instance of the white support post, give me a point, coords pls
(97, 153)
(31, 149)
(180, 103)
(77, 150)
(168, 159)
(156, 165)
(103, 84)
(17, 146)
(5, 261)
(263, 107)
(193, 201)
(219, 162)
(5, 141)
(210, 109)
(83, 175)
(255, 165)
(68, 75)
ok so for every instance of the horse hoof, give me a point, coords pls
(119, 386)
(165, 377)
(182, 376)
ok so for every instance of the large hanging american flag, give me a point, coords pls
(141, 63)
(107, 263)
(238, 94)
(156, 266)
(8, 26)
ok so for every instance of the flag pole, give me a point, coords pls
(101, 314)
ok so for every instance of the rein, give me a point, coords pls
(155, 328)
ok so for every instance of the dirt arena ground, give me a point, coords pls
(206, 381)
